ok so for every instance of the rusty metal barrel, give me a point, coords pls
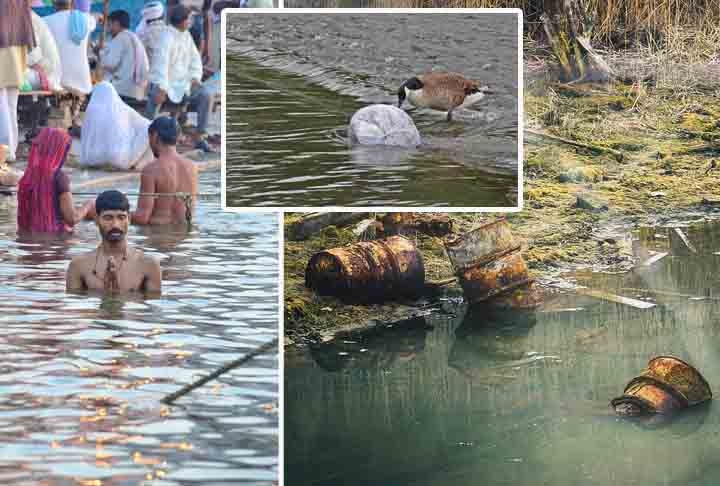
(667, 385)
(369, 271)
(680, 376)
(645, 395)
(487, 261)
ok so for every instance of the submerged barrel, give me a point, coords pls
(645, 395)
(369, 271)
(383, 125)
(487, 261)
(667, 385)
(680, 376)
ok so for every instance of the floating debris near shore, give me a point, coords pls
(666, 386)
(655, 258)
(488, 262)
(685, 240)
(618, 299)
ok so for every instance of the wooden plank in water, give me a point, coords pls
(655, 258)
(618, 299)
(685, 240)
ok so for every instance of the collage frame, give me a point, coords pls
(280, 211)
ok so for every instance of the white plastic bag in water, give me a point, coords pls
(383, 125)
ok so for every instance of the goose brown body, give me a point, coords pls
(437, 90)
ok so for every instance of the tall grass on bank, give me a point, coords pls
(654, 18)
(613, 20)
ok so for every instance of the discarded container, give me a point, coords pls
(680, 376)
(667, 385)
(645, 395)
(383, 125)
(487, 261)
(368, 271)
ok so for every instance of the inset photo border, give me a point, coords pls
(311, 119)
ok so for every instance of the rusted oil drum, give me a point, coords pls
(680, 376)
(645, 395)
(481, 244)
(487, 261)
(369, 271)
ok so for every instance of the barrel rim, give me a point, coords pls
(695, 370)
(313, 259)
(645, 405)
(454, 240)
(481, 262)
(664, 386)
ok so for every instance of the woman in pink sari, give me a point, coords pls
(45, 203)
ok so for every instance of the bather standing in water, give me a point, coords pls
(169, 173)
(45, 202)
(114, 267)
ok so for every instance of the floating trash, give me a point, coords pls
(383, 125)
(667, 385)
(368, 271)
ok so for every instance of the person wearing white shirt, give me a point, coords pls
(44, 58)
(176, 74)
(124, 61)
(71, 30)
(151, 27)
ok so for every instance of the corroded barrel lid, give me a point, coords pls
(481, 245)
(680, 376)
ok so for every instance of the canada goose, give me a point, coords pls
(383, 125)
(439, 91)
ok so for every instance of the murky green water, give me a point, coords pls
(83, 376)
(518, 398)
(293, 86)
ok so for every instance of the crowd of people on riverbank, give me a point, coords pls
(157, 67)
(142, 85)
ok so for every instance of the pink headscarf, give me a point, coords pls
(36, 189)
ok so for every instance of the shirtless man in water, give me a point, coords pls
(169, 173)
(114, 267)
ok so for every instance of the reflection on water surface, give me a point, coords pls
(515, 397)
(83, 375)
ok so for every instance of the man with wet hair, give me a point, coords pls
(169, 174)
(176, 74)
(114, 267)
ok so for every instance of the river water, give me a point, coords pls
(83, 375)
(294, 81)
(476, 396)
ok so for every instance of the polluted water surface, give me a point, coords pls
(294, 81)
(518, 396)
